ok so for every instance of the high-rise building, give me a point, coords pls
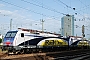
(67, 25)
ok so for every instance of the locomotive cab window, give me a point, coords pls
(22, 34)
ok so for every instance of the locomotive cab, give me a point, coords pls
(8, 39)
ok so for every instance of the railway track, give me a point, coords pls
(71, 55)
(62, 55)
(33, 56)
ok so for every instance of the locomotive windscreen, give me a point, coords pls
(9, 38)
(11, 34)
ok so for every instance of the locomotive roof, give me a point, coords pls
(37, 31)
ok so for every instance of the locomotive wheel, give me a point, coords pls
(14, 51)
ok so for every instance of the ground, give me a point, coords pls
(33, 56)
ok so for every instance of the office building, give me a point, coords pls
(67, 25)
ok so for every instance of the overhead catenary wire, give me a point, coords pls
(64, 4)
(58, 3)
(52, 17)
(43, 7)
(49, 8)
(83, 3)
(85, 6)
(28, 9)
(72, 8)
(76, 10)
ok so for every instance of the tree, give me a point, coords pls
(0, 40)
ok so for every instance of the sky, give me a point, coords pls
(29, 14)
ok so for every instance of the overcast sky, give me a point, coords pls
(29, 13)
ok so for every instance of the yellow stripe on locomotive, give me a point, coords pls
(83, 43)
(54, 42)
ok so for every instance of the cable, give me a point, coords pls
(83, 8)
(27, 9)
(82, 3)
(64, 4)
(59, 1)
(21, 7)
(71, 8)
(43, 7)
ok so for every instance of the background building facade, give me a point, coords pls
(67, 25)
